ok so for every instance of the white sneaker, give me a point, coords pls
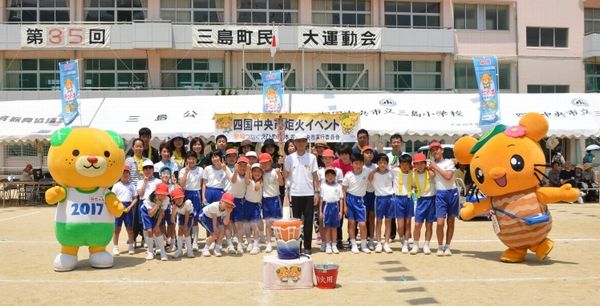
(269, 248)
(405, 249)
(190, 253)
(387, 248)
(255, 250)
(240, 249)
(212, 246)
(177, 254)
(250, 247)
(149, 256)
(205, 253)
(355, 249)
(334, 249)
(426, 250)
(365, 250)
(217, 252)
(447, 252)
(414, 250)
(378, 248)
(130, 249)
(440, 251)
(231, 249)
(328, 249)
(163, 257)
(115, 251)
(371, 245)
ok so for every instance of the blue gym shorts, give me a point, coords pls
(370, 201)
(384, 207)
(271, 208)
(331, 215)
(446, 203)
(126, 218)
(355, 208)
(404, 207)
(425, 210)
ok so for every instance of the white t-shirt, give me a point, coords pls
(440, 182)
(238, 189)
(228, 181)
(186, 208)
(150, 205)
(370, 168)
(193, 180)
(170, 164)
(152, 182)
(212, 211)
(300, 176)
(406, 177)
(339, 175)
(270, 184)
(125, 193)
(356, 183)
(419, 178)
(331, 193)
(254, 196)
(215, 178)
(383, 183)
(134, 175)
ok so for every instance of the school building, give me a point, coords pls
(152, 48)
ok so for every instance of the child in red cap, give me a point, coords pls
(271, 203)
(185, 215)
(423, 179)
(213, 218)
(239, 180)
(152, 213)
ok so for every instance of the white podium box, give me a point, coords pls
(287, 274)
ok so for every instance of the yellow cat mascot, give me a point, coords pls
(506, 165)
(84, 162)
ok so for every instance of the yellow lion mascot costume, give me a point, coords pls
(506, 165)
(84, 162)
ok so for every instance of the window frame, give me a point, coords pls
(115, 8)
(543, 88)
(252, 79)
(218, 10)
(38, 71)
(471, 72)
(340, 12)
(412, 15)
(480, 23)
(10, 9)
(193, 72)
(413, 74)
(531, 30)
(294, 14)
(362, 75)
(115, 71)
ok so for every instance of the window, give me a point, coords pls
(592, 20)
(403, 14)
(342, 76)
(33, 74)
(481, 17)
(116, 73)
(341, 12)
(23, 150)
(464, 76)
(196, 11)
(547, 37)
(115, 10)
(37, 11)
(547, 88)
(592, 77)
(267, 11)
(417, 75)
(252, 72)
(465, 16)
(191, 73)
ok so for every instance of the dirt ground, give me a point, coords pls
(473, 275)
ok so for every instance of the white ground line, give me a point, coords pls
(20, 216)
(453, 241)
(266, 298)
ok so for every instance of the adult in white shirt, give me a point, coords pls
(300, 171)
(446, 198)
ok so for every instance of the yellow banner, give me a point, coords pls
(339, 127)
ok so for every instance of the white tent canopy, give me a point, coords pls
(37, 119)
(569, 115)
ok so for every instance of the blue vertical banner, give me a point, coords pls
(69, 91)
(272, 91)
(487, 82)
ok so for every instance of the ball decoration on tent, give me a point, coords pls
(506, 166)
(84, 162)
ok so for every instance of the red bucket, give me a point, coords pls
(326, 275)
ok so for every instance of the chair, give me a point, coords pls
(37, 174)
